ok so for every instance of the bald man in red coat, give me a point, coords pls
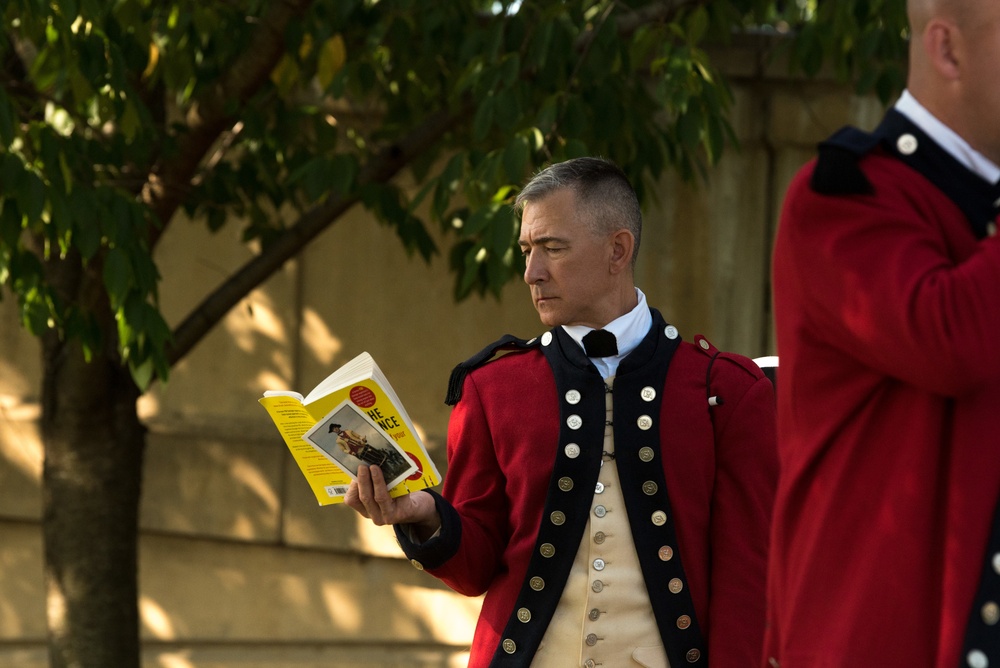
(887, 303)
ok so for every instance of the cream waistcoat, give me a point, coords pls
(604, 617)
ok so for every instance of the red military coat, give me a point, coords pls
(507, 436)
(888, 323)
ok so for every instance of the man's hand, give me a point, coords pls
(369, 496)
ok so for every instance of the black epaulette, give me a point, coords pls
(457, 379)
(837, 171)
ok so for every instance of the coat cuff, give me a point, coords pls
(439, 548)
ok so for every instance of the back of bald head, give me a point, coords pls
(920, 12)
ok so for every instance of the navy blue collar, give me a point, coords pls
(978, 199)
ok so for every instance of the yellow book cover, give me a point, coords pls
(352, 417)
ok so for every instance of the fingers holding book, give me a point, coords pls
(369, 496)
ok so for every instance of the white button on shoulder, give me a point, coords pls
(671, 332)
(907, 144)
(976, 659)
(546, 338)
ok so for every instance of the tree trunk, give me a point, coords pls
(94, 446)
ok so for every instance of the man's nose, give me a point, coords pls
(533, 269)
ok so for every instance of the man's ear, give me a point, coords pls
(622, 244)
(943, 44)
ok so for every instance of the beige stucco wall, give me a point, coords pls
(239, 567)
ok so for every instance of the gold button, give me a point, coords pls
(589, 663)
(509, 646)
(537, 583)
(991, 613)
(591, 639)
(597, 587)
(524, 615)
(594, 614)
(659, 518)
(565, 483)
(693, 655)
(646, 454)
(675, 586)
(649, 488)
(558, 517)
(666, 553)
(599, 537)
(683, 622)
(416, 564)
(547, 550)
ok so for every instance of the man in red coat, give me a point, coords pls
(887, 303)
(612, 498)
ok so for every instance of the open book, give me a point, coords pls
(351, 418)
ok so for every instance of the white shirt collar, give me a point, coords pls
(629, 330)
(947, 138)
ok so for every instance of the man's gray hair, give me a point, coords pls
(605, 199)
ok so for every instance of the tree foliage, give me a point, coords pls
(280, 115)
(114, 114)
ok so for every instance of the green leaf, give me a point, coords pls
(118, 276)
(515, 159)
(86, 226)
(343, 172)
(689, 128)
(483, 120)
(11, 173)
(507, 110)
(10, 224)
(31, 197)
(697, 24)
(142, 373)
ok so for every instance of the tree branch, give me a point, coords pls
(169, 181)
(381, 169)
(631, 20)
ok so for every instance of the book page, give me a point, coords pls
(328, 482)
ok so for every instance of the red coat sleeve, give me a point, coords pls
(743, 495)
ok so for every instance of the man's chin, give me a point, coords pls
(548, 318)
